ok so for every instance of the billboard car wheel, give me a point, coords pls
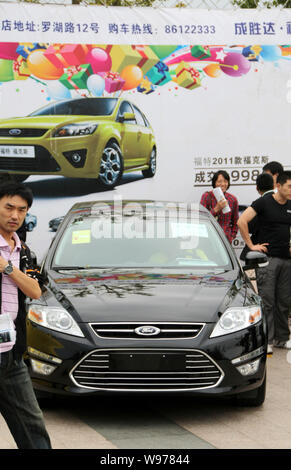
(151, 171)
(111, 167)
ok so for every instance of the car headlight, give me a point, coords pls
(75, 129)
(235, 319)
(55, 318)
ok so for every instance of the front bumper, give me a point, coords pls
(223, 353)
(55, 156)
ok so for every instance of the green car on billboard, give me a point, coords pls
(97, 138)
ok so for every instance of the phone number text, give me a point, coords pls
(190, 29)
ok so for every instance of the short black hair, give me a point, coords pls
(12, 188)
(216, 175)
(273, 167)
(284, 177)
(264, 182)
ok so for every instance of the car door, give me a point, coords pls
(144, 136)
(129, 136)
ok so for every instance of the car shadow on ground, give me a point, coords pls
(72, 187)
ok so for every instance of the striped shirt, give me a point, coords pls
(9, 292)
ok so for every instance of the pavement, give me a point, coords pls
(172, 423)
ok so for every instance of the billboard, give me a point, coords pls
(101, 103)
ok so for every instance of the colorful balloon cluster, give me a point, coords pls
(95, 70)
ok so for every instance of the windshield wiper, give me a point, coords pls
(69, 268)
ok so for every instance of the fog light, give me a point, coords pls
(248, 356)
(42, 355)
(249, 368)
(76, 158)
(41, 367)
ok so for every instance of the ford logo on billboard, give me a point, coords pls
(14, 132)
(147, 330)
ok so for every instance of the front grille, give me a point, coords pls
(42, 162)
(165, 330)
(23, 132)
(146, 370)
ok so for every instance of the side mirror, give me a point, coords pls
(127, 117)
(255, 259)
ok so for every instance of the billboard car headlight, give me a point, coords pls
(55, 318)
(75, 129)
(235, 319)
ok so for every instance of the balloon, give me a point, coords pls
(57, 91)
(132, 75)
(271, 53)
(235, 64)
(96, 85)
(163, 51)
(8, 50)
(212, 70)
(99, 59)
(6, 70)
(41, 67)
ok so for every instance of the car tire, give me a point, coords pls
(111, 166)
(151, 171)
(254, 397)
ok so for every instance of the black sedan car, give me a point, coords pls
(141, 297)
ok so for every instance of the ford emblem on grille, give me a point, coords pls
(147, 330)
(15, 131)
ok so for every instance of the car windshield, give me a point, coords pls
(84, 106)
(132, 241)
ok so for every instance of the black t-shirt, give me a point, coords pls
(274, 221)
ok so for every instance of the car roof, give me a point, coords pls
(89, 207)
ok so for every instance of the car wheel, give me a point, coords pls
(254, 397)
(151, 171)
(111, 167)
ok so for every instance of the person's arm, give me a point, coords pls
(206, 202)
(29, 286)
(243, 226)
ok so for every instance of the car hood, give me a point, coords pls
(143, 296)
(47, 122)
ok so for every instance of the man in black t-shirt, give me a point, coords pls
(273, 212)
(264, 185)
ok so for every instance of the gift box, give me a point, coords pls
(20, 69)
(53, 54)
(200, 52)
(113, 81)
(159, 74)
(121, 56)
(187, 76)
(148, 58)
(76, 77)
(25, 48)
(286, 50)
(74, 54)
(145, 87)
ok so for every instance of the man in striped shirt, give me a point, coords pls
(18, 403)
